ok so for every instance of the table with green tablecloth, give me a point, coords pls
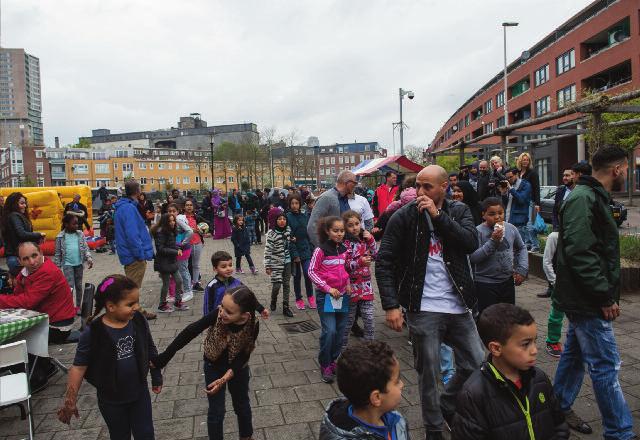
(28, 325)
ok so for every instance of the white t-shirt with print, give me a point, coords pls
(438, 292)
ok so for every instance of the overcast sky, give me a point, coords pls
(330, 69)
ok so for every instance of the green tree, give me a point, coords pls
(82, 143)
(28, 182)
(599, 133)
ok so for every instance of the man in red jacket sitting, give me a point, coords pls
(41, 286)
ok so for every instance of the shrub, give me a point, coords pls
(630, 247)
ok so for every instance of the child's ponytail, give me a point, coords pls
(113, 288)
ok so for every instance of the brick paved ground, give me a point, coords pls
(286, 393)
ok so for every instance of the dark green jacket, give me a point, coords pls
(588, 255)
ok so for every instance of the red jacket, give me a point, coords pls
(384, 196)
(46, 290)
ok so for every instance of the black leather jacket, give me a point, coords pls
(401, 263)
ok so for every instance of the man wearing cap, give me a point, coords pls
(79, 210)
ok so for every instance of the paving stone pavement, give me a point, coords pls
(287, 396)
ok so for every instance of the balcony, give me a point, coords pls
(521, 114)
(519, 88)
(58, 175)
(607, 79)
(606, 39)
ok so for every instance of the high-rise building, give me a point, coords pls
(20, 99)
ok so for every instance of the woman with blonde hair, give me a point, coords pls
(524, 164)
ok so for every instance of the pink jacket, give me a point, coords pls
(359, 273)
(327, 268)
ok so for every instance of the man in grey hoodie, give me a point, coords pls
(501, 262)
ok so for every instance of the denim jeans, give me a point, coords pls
(301, 270)
(591, 341)
(183, 268)
(125, 419)
(196, 253)
(531, 240)
(73, 275)
(427, 331)
(239, 390)
(333, 325)
(13, 262)
(446, 361)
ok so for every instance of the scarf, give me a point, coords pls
(219, 338)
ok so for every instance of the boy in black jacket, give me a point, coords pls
(508, 398)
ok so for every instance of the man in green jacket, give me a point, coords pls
(587, 289)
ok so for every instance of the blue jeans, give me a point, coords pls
(299, 270)
(183, 268)
(124, 419)
(446, 361)
(239, 390)
(591, 341)
(333, 325)
(427, 331)
(12, 262)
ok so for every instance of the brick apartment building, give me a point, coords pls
(598, 50)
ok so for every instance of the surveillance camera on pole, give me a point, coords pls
(410, 95)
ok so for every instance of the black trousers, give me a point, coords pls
(494, 293)
(126, 419)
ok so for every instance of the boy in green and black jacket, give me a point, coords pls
(508, 398)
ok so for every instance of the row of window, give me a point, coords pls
(345, 159)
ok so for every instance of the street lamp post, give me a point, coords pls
(410, 95)
(505, 25)
(211, 142)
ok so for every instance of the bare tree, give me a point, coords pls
(268, 136)
(414, 153)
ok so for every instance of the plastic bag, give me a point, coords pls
(540, 227)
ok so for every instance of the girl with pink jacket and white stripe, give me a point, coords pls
(328, 273)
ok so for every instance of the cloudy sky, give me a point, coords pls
(324, 68)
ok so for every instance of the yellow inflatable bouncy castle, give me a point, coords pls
(46, 208)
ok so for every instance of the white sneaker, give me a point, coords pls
(187, 296)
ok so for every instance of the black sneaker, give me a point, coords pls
(286, 311)
(273, 306)
(554, 350)
(198, 287)
(575, 422)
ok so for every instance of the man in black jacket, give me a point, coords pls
(423, 267)
(562, 193)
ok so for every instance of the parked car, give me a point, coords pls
(547, 200)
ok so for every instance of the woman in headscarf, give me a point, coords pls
(464, 192)
(221, 225)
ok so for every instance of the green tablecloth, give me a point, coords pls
(15, 321)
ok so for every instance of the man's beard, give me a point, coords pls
(618, 184)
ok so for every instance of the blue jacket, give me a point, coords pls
(520, 205)
(241, 241)
(133, 242)
(214, 292)
(302, 247)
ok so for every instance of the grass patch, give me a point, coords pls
(630, 247)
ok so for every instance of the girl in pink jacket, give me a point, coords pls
(361, 247)
(328, 273)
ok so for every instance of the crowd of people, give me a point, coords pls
(448, 248)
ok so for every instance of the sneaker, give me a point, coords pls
(78, 311)
(333, 367)
(239, 271)
(254, 271)
(300, 304)
(575, 422)
(165, 308)
(286, 311)
(180, 306)
(312, 302)
(273, 306)
(198, 287)
(326, 374)
(188, 296)
(554, 350)
(446, 379)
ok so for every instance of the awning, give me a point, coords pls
(399, 164)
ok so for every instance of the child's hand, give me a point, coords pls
(334, 292)
(268, 270)
(497, 234)
(366, 234)
(365, 261)
(66, 411)
(265, 314)
(156, 389)
(179, 252)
